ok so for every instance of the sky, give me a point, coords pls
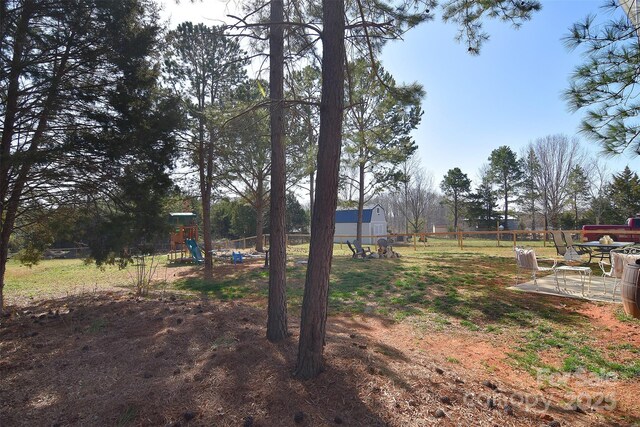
(508, 95)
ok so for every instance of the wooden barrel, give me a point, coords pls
(630, 292)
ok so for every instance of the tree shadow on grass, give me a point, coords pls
(402, 291)
(475, 291)
(496, 304)
(234, 285)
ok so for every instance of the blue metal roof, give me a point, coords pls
(351, 215)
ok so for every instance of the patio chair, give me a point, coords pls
(568, 239)
(526, 260)
(354, 254)
(383, 244)
(567, 253)
(558, 241)
(360, 250)
(618, 259)
(236, 257)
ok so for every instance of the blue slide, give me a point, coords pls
(195, 250)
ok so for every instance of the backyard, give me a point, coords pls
(434, 337)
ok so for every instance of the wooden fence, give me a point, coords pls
(461, 238)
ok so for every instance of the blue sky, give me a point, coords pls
(508, 95)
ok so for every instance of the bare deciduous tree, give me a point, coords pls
(599, 180)
(420, 199)
(557, 155)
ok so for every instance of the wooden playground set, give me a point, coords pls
(184, 238)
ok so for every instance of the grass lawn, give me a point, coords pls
(437, 291)
(50, 278)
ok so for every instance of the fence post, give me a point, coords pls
(244, 243)
(415, 243)
(514, 239)
(498, 231)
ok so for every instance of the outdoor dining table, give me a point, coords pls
(601, 249)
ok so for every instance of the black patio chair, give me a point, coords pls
(354, 254)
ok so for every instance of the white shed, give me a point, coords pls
(374, 225)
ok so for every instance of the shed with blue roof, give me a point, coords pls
(374, 225)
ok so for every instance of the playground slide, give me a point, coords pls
(195, 250)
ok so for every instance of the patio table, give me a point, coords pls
(601, 249)
(585, 273)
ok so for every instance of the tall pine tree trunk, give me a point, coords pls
(506, 211)
(206, 236)
(4, 252)
(206, 214)
(455, 213)
(205, 166)
(259, 205)
(6, 140)
(277, 309)
(311, 174)
(315, 300)
(406, 207)
(361, 183)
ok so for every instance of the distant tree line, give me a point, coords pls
(551, 184)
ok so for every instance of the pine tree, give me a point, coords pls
(605, 86)
(377, 129)
(456, 187)
(82, 115)
(204, 67)
(625, 194)
(506, 173)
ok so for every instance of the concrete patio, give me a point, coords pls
(547, 285)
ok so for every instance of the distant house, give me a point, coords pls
(374, 225)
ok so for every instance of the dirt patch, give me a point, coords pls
(112, 359)
(607, 327)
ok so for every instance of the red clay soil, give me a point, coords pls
(112, 359)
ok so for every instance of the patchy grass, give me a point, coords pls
(238, 286)
(61, 277)
(127, 417)
(436, 288)
(623, 317)
(575, 351)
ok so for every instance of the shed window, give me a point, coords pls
(377, 210)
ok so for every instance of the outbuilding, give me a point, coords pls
(374, 225)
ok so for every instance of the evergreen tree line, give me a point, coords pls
(553, 183)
